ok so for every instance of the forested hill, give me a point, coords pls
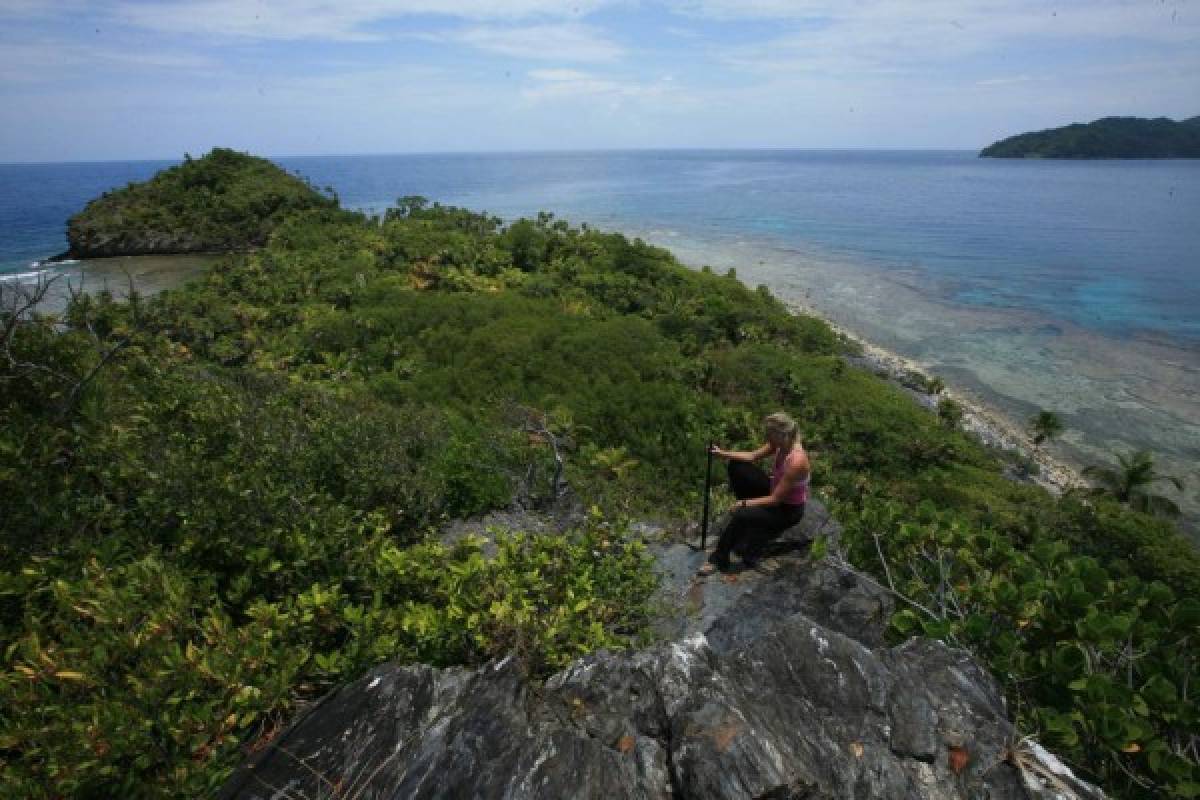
(1110, 137)
(224, 501)
(221, 202)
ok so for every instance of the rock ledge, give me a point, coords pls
(776, 686)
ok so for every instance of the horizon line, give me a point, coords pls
(522, 152)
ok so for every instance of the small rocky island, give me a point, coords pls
(1110, 137)
(223, 202)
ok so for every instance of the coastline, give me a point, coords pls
(148, 275)
(1002, 365)
(801, 294)
(991, 426)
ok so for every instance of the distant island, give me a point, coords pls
(1110, 137)
(225, 201)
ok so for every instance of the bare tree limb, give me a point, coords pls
(81, 384)
(17, 302)
(536, 425)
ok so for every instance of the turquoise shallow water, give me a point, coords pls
(1109, 245)
(1073, 286)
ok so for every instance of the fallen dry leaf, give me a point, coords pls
(857, 749)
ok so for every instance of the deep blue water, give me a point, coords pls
(1113, 246)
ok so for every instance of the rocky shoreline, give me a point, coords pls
(146, 274)
(991, 427)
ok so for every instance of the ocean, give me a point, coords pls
(1072, 286)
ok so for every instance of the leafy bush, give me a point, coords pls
(132, 678)
(1105, 646)
(223, 201)
(219, 501)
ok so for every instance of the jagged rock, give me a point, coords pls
(561, 518)
(775, 684)
(92, 241)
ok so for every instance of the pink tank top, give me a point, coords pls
(798, 495)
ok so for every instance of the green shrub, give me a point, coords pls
(134, 679)
(223, 201)
(1104, 646)
(226, 492)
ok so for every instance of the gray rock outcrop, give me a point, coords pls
(88, 239)
(776, 684)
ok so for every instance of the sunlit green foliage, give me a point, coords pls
(137, 677)
(223, 201)
(1110, 651)
(225, 499)
(1045, 426)
(1130, 483)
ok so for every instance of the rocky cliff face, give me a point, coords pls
(774, 684)
(92, 238)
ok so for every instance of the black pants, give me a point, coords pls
(751, 528)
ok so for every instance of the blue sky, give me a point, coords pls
(139, 79)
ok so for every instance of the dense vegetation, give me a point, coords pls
(224, 500)
(1110, 137)
(221, 202)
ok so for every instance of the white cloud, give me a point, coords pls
(749, 9)
(400, 107)
(566, 42)
(558, 75)
(13, 9)
(348, 20)
(1082, 17)
(1007, 80)
(570, 84)
(49, 60)
(877, 36)
(537, 73)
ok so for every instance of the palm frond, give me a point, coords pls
(1155, 504)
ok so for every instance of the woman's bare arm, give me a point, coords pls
(744, 455)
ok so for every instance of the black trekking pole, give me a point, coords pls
(707, 484)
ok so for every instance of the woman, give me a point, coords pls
(766, 506)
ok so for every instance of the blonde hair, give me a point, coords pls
(783, 425)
